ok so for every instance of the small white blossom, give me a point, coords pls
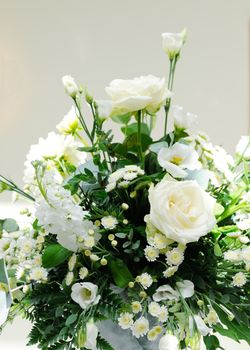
(151, 253)
(70, 86)
(70, 123)
(109, 222)
(85, 294)
(136, 307)
(163, 314)
(69, 278)
(212, 317)
(154, 308)
(145, 280)
(125, 320)
(173, 42)
(232, 255)
(83, 272)
(38, 274)
(140, 327)
(72, 262)
(175, 257)
(239, 279)
(170, 271)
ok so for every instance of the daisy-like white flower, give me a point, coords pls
(140, 327)
(151, 253)
(239, 279)
(154, 308)
(163, 314)
(170, 271)
(136, 307)
(38, 274)
(175, 256)
(125, 320)
(232, 255)
(109, 222)
(145, 280)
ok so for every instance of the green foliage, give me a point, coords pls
(102, 344)
(120, 273)
(10, 225)
(54, 255)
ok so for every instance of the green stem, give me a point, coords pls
(139, 147)
(173, 62)
(81, 118)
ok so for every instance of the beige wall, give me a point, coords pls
(97, 41)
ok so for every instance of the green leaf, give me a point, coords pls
(133, 128)
(10, 225)
(217, 250)
(131, 142)
(54, 255)
(121, 235)
(120, 273)
(71, 319)
(211, 342)
(121, 119)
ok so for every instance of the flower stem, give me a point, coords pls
(139, 146)
(173, 62)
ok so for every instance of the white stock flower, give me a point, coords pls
(243, 147)
(146, 92)
(177, 158)
(182, 211)
(70, 123)
(85, 294)
(91, 336)
(169, 342)
(173, 42)
(70, 86)
(182, 119)
(140, 327)
(125, 320)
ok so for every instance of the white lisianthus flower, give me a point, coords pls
(109, 222)
(146, 92)
(69, 124)
(104, 108)
(182, 211)
(91, 336)
(169, 342)
(202, 328)
(85, 294)
(183, 120)
(239, 279)
(173, 42)
(70, 86)
(177, 158)
(125, 320)
(243, 147)
(165, 292)
(140, 327)
(185, 288)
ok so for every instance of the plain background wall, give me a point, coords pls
(97, 41)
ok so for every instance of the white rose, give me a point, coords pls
(70, 85)
(173, 42)
(177, 158)
(91, 336)
(85, 294)
(182, 211)
(146, 92)
(169, 342)
(243, 147)
(182, 119)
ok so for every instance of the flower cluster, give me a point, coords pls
(151, 234)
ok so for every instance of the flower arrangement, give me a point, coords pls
(149, 237)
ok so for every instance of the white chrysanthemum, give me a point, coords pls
(145, 280)
(239, 279)
(154, 308)
(38, 274)
(245, 254)
(83, 272)
(125, 320)
(70, 123)
(151, 253)
(123, 176)
(109, 222)
(136, 307)
(26, 245)
(232, 255)
(175, 256)
(170, 271)
(154, 333)
(163, 314)
(140, 327)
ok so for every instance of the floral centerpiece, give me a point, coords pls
(136, 244)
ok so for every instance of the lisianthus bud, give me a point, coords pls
(173, 42)
(70, 85)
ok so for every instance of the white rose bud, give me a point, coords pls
(85, 294)
(183, 120)
(173, 42)
(181, 210)
(168, 342)
(70, 85)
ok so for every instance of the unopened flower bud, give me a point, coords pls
(125, 206)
